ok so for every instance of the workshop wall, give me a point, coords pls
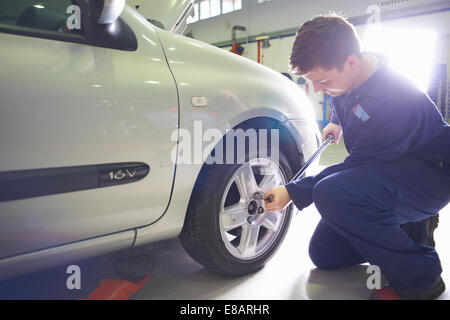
(287, 15)
(277, 55)
(277, 15)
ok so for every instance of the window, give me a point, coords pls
(64, 20)
(237, 4)
(215, 8)
(57, 16)
(194, 18)
(204, 9)
(227, 6)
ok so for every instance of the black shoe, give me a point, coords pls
(389, 293)
(435, 291)
(422, 231)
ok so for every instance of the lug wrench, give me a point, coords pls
(329, 140)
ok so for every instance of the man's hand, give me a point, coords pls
(280, 199)
(334, 130)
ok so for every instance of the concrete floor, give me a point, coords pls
(289, 275)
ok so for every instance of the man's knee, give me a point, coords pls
(326, 248)
(320, 258)
(323, 258)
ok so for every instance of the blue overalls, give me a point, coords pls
(397, 171)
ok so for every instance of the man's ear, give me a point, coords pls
(352, 62)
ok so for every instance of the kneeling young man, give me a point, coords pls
(379, 205)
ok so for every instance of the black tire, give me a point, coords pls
(201, 235)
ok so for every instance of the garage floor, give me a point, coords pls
(289, 275)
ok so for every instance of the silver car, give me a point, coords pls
(110, 131)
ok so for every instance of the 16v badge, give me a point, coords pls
(122, 174)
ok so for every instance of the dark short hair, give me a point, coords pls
(325, 42)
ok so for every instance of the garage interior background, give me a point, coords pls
(278, 20)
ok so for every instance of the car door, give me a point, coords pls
(87, 120)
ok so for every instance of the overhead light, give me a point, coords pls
(39, 6)
(409, 51)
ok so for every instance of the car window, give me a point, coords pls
(65, 20)
(58, 16)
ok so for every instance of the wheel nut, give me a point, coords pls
(250, 219)
(260, 210)
(252, 207)
(258, 196)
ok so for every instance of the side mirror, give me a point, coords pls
(111, 10)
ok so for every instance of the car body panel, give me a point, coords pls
(237, 90)
(60, 255)
(171, 223)
(119, 123)
(66, 104)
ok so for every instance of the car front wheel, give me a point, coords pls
(226, 227)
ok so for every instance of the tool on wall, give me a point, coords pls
(236, 47)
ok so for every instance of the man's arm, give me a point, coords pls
(299, 191)
(395, 127)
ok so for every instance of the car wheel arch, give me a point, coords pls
(193, 229)
(292, 149)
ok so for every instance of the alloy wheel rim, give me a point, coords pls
(247, 230)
